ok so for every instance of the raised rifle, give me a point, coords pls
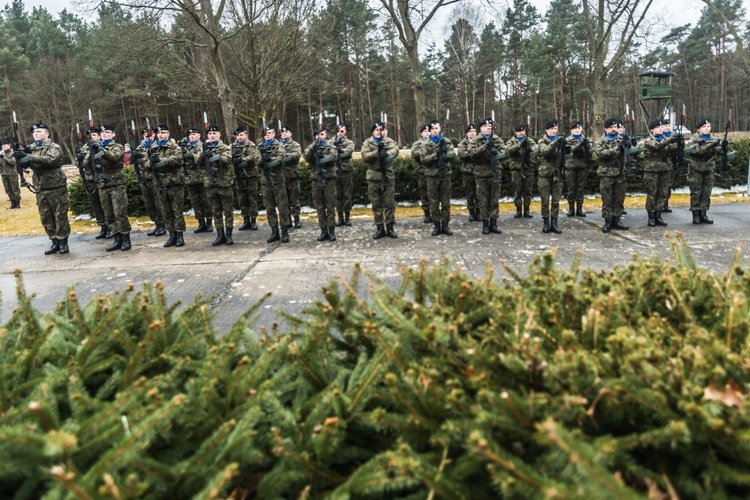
(587, 145)
(207, 154)
(563, 150)
(444, 161)
(80, 156)
(183, 144)
(680, 165)
(725, 149)
(19, 166)
(266, 160)
(153, 158)
(318, 147)
(383, 162)
(94, 155)
(136, 157)
(493, 152)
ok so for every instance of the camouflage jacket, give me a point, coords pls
(192, 156)
(327, 162)
(344, 148)
(141, 162)
(549, 156)
(273, 167)
(217, 160)
(88, 170)
(702, 153)
(608, 152)
(291, 159)
(169, 164)
(467, 164)
(416, 154)
(109, 158)
(245, 159)
(479, 151)
(658, 153)
(578, 148)
(432, 161)
(46, 163)
(7, 163)
(375, 165)
(516, 151)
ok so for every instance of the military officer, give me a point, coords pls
(165, 157)
(293, 153)
(436, 155)
(416, 154)
(219, 184)
(10, 175)
(467, 171)
(657, 172)
(245, 159)
(195, 174)
(90, 184)
(344, 178)
(149, 185)
(44, 158)
(321, 156)
(702, 151)
(550, 177)
(520, 149)
(273, 183)
(378, 152)
(576, 169)
(487, 150)
(610, 150)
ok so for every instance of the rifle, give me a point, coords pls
(725, 149)
(587, 145)
(382, 162)
(135, 155)
(94, 155)
(680, 165)
(444, 163)
(266, 160)
(318, 147)
(337, 144)
(240, 166)
(629, 145)
(17, 147)
(563, 149)
(80, 157)
(493, 152)
(210, 169)
(153, 159)
(183, 144)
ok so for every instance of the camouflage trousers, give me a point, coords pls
(247, 196)
(522, 183)
(324, 199)
(115, 204)
(470, 188)
(152, 200)
(276, 200)
(657, 186)
(424, 196)
(53, 211)
(344, 189)
(575, 180)
(199, 201)
(173, 204)
(97, 210)
(293, 189)
(439, 193)
(12, 187)
(383, 200)
(613, 195)
(701, 184)
(622, 189)
(550, 190)
(221, 201)
(488, 197)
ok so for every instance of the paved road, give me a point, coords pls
(237, 276)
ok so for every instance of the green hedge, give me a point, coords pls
(406, 183)
(563, 383)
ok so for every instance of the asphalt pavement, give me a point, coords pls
(235, 277)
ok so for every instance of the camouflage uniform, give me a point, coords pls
(344, 179)
(467, 175)
(380, 189)
(291, 170)
(550, 180)
(10, 178)
(424, 198)
(166, 160)
(273, 182)
(657, 175)
(149, 187)
(92, 192)
(521, 172)
(576, 173)
(245, 163)
(488, 182)
(436, 159)
(195, 178)
(702, 152)
(45, 161)
(113, 189)
(321, 156)
(611, 177)
(219, 185)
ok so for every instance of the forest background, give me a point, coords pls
(240, 61)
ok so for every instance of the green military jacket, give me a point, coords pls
(431, 158)
(702, 153)
(46, 163)
(658, 153)
(375, 165)
(169, 165)
(88, 169)
(516, 151)
(291, 159)
(328, 156)
(7, 163)
(549, 153)
(344, 148)
(607, 151)
(219, 173)
(249, 159)
(480, 152)
(578, 149)
(416, 153)
(192, 157)
(467, 164)
(273, 167)
(141, 162)
(110, 157)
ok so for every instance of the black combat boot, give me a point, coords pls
(476, 215)
(209, 227)
(228, 236)
(607, 225)
(172, 240)
(116, 245)
(704, 217)
(109, 232)
(297, 223)
(389, 231)
(472, 215)
(12, 205)
(221, 239)
(553, 226)
(180, 240)
(332, 233)
(659, 220)
(527, 212)
(651, 219)
(340, 222)
(54, 248)
(427, 218)
(274, 235)
(157, 231)
(437, 229)
(579, 210)
(126, 245)
(323, 234)
(545, 229)
(64, 246)
(696, 216)
(446, 230)
(379, 232)
(571, 209)
(493, 227)
(285, 234)
(102, 232)
(201, 226)
(485, 227)
(245, 224)
(617, 224)
(347, 222)
(667, 210)
(519, 214)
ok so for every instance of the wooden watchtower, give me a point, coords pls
(655, 95)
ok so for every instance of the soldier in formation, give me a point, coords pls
(610, 151)
(195, 175)
(273, 182)
(90, 185)
(520, 150)
(657, 172)
(702, 152)
(9, 173)
(467, 171)
(321, 156)
(245, 159)
(551, 149)
(165, 157)
(486, 151)
(216, 157)
(378, 152)
(419, 169)
(344, 178)
(149, 185)
(577, 169)
(436, 155)
(293, 153)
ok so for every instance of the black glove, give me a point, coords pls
(383, 153)
(567, 150)
(93, 147)
(724, 144)
(184, 142)
(80, 155)
(27, 150)
(621, 147)
(266, 157)
(136, 155)
(20, 154)
(633, 141)
(154, 159)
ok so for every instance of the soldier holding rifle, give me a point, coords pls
(378, 152)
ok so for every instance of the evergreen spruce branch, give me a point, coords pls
(110, 386)
(104, 333)
(25, 319)
(218, 484)
(361, 386)
(382, 476)
(205, 457)
(81, 327)
(67, 479)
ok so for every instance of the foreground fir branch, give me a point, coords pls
(561, 383)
